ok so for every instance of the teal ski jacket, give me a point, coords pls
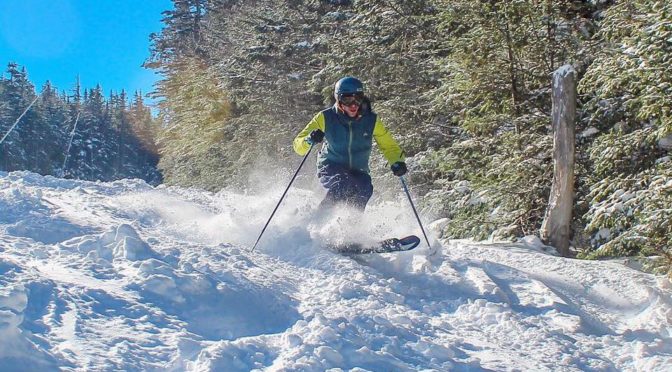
(348, 141)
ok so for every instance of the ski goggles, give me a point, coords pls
(351, 99)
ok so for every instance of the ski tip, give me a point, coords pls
(384, 246)
(409, 242)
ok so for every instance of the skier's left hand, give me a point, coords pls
(399, 168)
(315, 137)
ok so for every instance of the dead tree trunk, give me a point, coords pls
(555, 230)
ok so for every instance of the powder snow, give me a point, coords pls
(125, 276)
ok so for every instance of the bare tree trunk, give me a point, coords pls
(555, 230)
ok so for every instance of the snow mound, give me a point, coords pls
(120, 242)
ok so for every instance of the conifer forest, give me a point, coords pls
(75, 134)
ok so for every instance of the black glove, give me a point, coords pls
(315, 137)
(399, 168)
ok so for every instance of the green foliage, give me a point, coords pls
(496, 88)
(628, 89)
(618, 153)
(501, 58)
(631, 79)
(632, 214)
(492, 187)
(198, 110)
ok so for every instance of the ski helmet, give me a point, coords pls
(348, 85)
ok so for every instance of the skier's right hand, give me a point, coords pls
(399, 168)
(315, 137)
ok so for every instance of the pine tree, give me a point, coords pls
(20, 146)
(629, 90)
(495, 91)
(91, 152)
(57, 118)
(181, 36)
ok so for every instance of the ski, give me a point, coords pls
(384, 246)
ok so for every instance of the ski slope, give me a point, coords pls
(123, 276)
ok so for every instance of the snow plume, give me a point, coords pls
(124, 276)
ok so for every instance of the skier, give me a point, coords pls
(348, 128)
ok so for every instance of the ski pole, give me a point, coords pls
(282, 197)
(403, 183)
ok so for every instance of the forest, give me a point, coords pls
(465, 86)
(73, 134)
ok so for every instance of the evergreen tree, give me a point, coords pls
(18, 94)
(628, 173)
(181, 36)
(57, 118)
(145, 128)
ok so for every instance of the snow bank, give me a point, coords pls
(123, 276)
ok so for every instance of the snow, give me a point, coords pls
(589, 132)
(563, 72)
(304, 44)
(124, 276)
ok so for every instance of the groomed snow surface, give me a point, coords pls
(123, 276)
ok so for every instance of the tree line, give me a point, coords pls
(84, 136)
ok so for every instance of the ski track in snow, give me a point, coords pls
(123, 276)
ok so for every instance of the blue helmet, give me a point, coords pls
(348, 85)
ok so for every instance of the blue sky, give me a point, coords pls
(103, 41)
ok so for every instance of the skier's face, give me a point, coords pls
(350, 110)
(350, 103)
